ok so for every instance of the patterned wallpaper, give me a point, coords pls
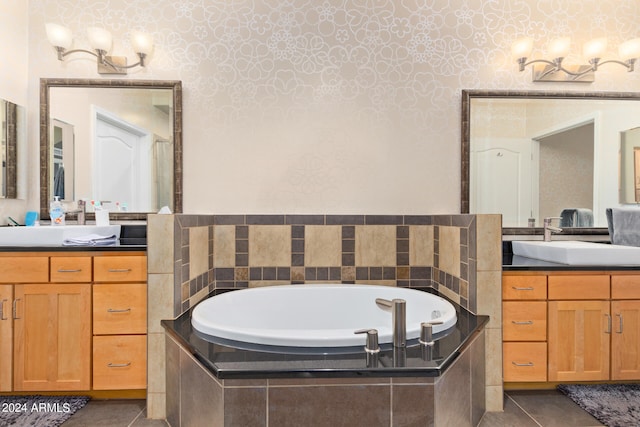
(343, 106)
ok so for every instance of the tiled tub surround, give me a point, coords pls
(192, 255)
(220, 385)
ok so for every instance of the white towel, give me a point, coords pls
(90, 240)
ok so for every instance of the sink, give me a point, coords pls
(52, 235)
(574, 252)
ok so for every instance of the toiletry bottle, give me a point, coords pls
(56, 212)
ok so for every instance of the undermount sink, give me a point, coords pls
(574, 252)
(50, 235)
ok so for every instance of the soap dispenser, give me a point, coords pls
(56, 212)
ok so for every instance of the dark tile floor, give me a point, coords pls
(113, 413)
(539, 408)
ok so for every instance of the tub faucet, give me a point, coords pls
(398, 308)
(548, 228)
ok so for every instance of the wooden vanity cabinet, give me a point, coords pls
(6, 337)
(625, 335)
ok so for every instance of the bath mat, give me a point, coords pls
(614, 405)
(38, 411)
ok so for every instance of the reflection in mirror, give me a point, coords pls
(11, 117)
(630, 166)
(531, 155)
(117, 142)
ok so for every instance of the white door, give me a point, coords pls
(501, 168)
(122, 164)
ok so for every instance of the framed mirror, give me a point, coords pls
(11, 130)
(530, 155)
(113, 142)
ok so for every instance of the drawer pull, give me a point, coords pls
(523, 364)
(619, 331)
(516, 288)
(2, 310)
(15, 309)
(62, 270)
(118, 365)
(119, 270)
(113, 310)
(525, 322)
(608, 316)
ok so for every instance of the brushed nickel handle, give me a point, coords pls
(119, 270)
(621, 325)
(516, 288)
(2, 310)
(15, 309)
(525, 322)
(113, 310)
(608, 316)
(62, 270)
(523, 364)
(118, 365)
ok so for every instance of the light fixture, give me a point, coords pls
(100, 39)
(553, 70)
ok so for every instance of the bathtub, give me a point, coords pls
(315, 315)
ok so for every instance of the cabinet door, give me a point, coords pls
(579, 335)
(52, 337)
(625, 340)
(6, 337)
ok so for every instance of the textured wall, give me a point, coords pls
(337, 106)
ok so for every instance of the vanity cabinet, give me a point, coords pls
(593, 327)
(73, 322)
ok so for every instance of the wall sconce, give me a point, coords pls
(60, 37)
(555, 71)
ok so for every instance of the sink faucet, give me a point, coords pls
(548, 228)
(81, 211)
(398, 308)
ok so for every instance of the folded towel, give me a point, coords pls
(90, 240)
(576, 217)
(624, 226)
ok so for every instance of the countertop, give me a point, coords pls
(246, 361)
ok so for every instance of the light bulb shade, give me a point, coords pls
(58, 35)
(595, 48)
(629, 49)
(100, 39)
(141, 42)
(522, 48)
(559, 48)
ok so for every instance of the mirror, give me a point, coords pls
(117, 142)
(11, 130)
(630, 166)
(530, 155)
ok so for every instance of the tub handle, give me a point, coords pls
(372, 340)
(426, 332)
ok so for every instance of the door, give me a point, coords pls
(625, 340)
(6, 337)
(123, 164)
(52, 337)
(579, 335)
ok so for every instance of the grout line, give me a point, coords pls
(524, 410)
(137, 416)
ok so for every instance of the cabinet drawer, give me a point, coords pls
(70, 269)
(625, 286)
(524, 287)
(120, 308)
(24, 269)
(119, 362)
(120, 268)
(523, 362)
(579, 287)
(524, 321)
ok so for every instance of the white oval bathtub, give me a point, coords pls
(315, 315)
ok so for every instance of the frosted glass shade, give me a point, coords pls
(141, 42)
(522, 48)
(595, 48)
(100, 39)
(629, 49)
(559, 48)
(58, 35)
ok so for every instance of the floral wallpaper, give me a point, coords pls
(332, 106)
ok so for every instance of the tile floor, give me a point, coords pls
(540, 408)
(113, 413)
